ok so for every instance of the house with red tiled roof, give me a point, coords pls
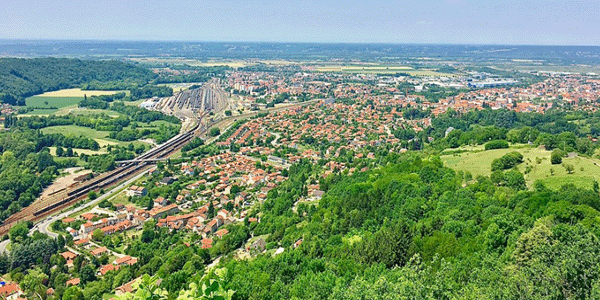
(107, 268)
(211, 226)
(88, 216)
(136, 191)
(221, 233)
(207, 243)
(125, 260)
(99, 251)
(159, 212)
(223, 213)
(10, 290)
(160, 201)
(87, 227)
(68, 255)
(126, 288)
(74, 281)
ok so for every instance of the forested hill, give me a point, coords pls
(412, 230)
(21, 78)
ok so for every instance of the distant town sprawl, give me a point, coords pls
(274, 141)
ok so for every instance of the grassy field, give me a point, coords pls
(71, 109)
(134, 103)
(76, 93)
(80, 162)
(99, 136)
(479, 162)
(77, 131)
(85, 111)
(61, 101)
(120, 198)
(40, 112)
(79, 151)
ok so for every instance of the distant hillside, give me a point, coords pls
(21, 78)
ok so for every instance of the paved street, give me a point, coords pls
(44, 226)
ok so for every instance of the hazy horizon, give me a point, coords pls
(440, 22)
(100, 40)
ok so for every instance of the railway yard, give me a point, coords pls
(192, 106)
(194, 102)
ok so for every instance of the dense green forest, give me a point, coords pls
(194, 73)
(26, 167)
(412, 230)
(21, 78)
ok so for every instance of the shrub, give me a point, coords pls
(569, 168)
(556, 157)
(507, 161)
(214, 131)
(497, 144)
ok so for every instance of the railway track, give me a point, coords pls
(40, 209)
(59, 201)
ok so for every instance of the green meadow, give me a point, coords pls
(99, 136)
(536, 166)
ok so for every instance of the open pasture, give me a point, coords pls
(536, 166)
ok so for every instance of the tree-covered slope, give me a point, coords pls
(411, 230)
(21, 78)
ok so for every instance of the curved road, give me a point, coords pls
(44, 226)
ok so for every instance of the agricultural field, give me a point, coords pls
(478, 162)
(551, 68)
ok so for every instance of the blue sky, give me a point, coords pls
(547, 22)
